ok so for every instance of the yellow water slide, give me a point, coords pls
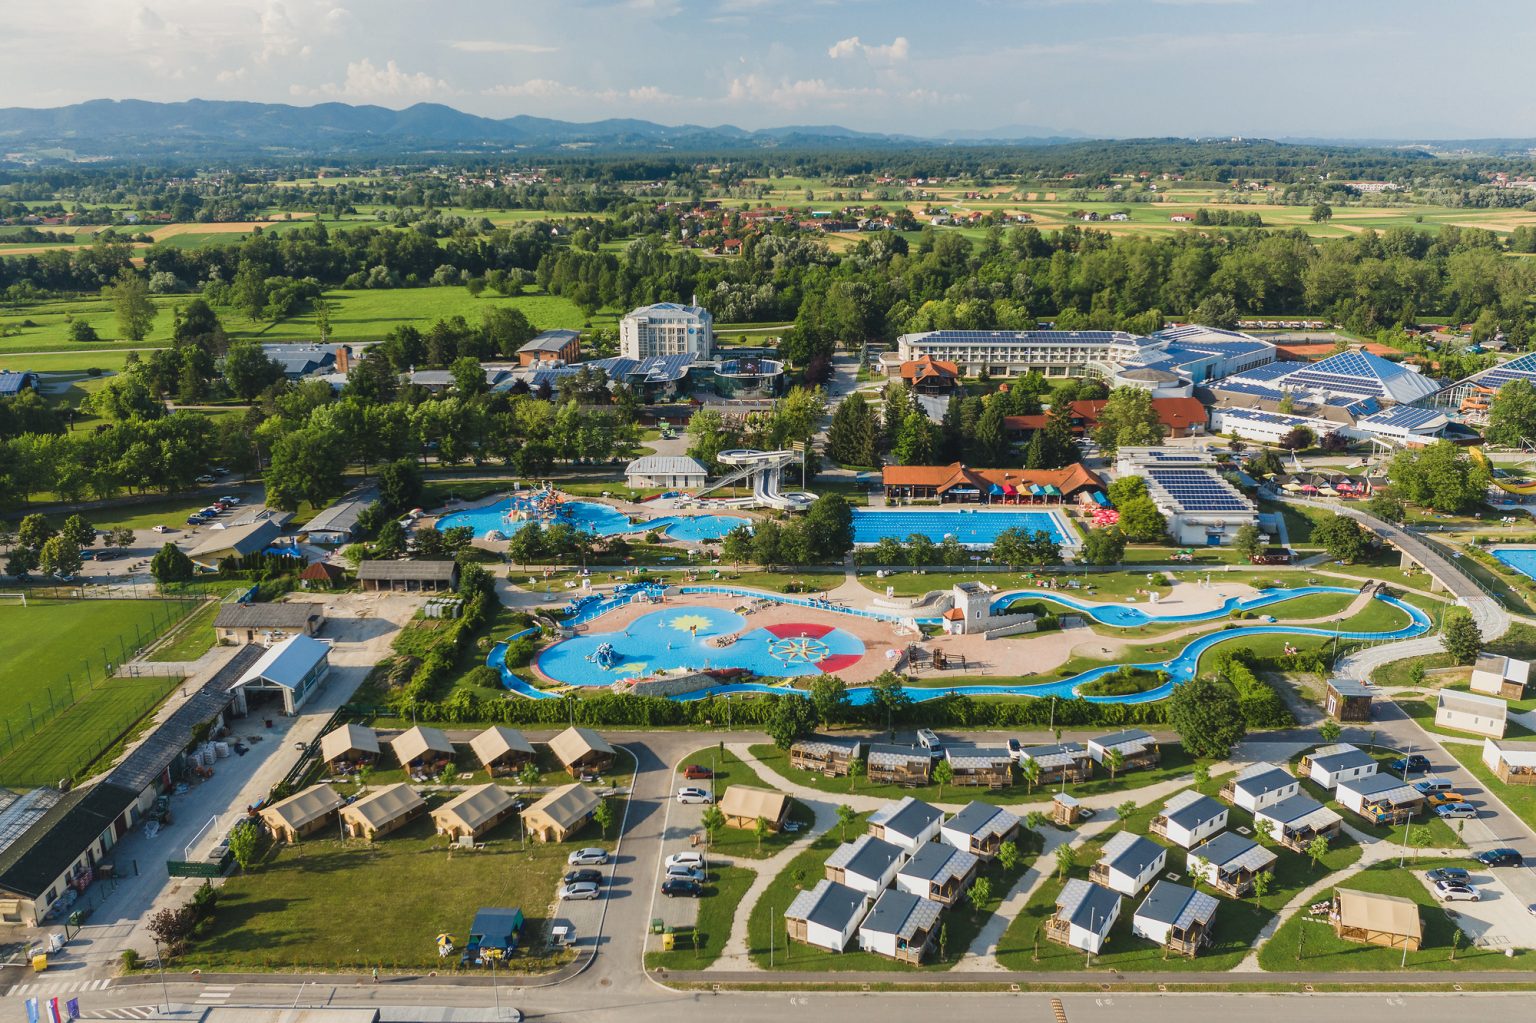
(1518, 489)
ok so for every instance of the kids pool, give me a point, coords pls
(1521, 559)
(597, 519)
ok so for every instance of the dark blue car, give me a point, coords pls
(1414, 764)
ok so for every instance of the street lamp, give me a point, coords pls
(164, 990)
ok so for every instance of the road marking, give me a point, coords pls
(48, 990)
(127, 1012)
(215, 994)
(1059, 1010)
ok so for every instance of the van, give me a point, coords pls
(928, 741)
(1433, 784)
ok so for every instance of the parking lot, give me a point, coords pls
(582, 918)
(684, 832)
(1499, 919)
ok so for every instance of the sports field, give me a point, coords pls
(57, 708)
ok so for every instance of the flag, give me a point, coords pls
(73, 1008)
(31, 1010)
(53, 1011)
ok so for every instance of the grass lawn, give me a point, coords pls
(55, 653)
(1104, 586)
(1421, 707)
(170, 511)
(302, 906)
(723, 892)
(69, 744)
(1301, 944)
(193, 637)
(1397, 673)
(730, 770)
(1238, 922)
(1521, 799)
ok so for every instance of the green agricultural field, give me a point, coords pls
(300, 907)
(355, 316)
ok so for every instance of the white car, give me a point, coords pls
(692, 795)
(230, 500)
(686, 859)
(205, 478)
(580, 891)
(587, 857)
(1452, 891)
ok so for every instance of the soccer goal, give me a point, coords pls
(15, 596)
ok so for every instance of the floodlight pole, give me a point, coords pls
(164, 990)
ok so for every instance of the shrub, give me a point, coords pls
(129, 960)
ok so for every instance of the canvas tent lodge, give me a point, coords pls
(502, 750)
(423, 752)
(474, 812)
(582, 751)
(350, 746)
(1374, 919)
(382, 811)
(561, 813)
(302, 813)
(742, 805)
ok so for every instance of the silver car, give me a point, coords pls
(578, 891)
(587, 857)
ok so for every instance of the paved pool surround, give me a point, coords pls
(1180, 668)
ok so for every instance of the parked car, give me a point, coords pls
(695, 772)
(1412, 764)
(587, 858)
(1451, 891)
(194, 520)
(230, 500)
(687, 859)
(672, 887)
(164, 529)
(691, 795)
(108, 555)
(1501, 857)
(1449, 811)
(219, 470)
(584, 874)
(1446, 797)
(685, 870)
(1455, 874)
(1431, 785)
(205, 478)
(1015, 750)
(581, 891)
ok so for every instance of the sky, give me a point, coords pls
(1272, 68)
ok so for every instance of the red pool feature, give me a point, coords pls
(806, 630)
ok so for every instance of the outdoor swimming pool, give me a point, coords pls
(974, 526)
(1521, 559)
(676, 638)
(684, 637)
(597, 519)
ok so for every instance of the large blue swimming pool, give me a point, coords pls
(597, 519)
(1521, 559)
(973, 526)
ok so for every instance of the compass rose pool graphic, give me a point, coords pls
(698, 639)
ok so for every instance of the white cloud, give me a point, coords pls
(147, 20)
(366, 81)
(853, 46)
(497, 46)
(232, 75)
(548, 88)
(790, 94)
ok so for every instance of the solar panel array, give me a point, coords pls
(1255, 390)
(1523, 368)
(1269, 371)
(1198, 490)
(1253, 415)
(1406, 417)
(1103, 337)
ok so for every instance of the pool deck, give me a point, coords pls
(1028, 654)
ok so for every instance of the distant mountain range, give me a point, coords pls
(201, 128)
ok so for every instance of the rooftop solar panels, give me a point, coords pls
(1076, 337)
(1407, 417)
(1252, 415)
(1198, 490)
(1252, 390)
(1268, 371)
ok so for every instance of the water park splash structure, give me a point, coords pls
(1180, 668)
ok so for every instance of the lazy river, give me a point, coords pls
(679, 628)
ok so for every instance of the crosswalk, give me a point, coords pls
(45, 989)
(215, 994)
(126, 1012)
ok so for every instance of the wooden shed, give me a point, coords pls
(1348, 700)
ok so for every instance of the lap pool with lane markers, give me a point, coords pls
(974, 527)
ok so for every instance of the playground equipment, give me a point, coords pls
(605, 657)
(764, 471)
(1518, 489)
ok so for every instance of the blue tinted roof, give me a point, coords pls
(1198, 490)
(1407, 417)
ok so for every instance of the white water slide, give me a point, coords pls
(764, 471)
